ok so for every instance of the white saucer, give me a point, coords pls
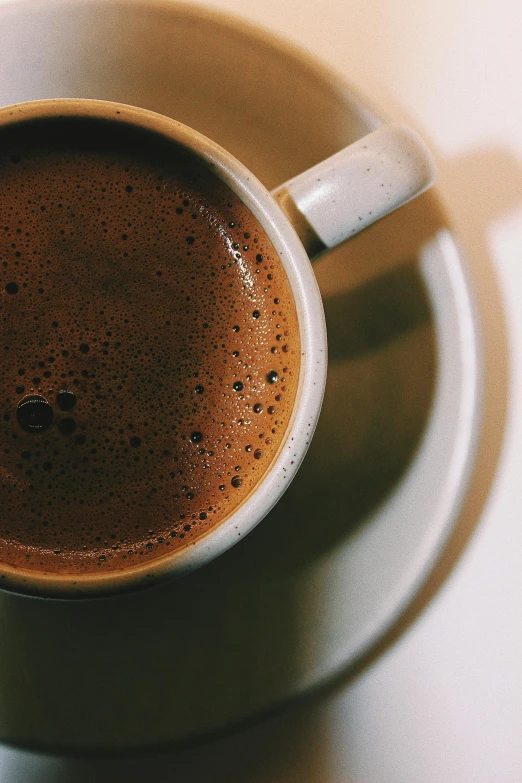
(316, 586)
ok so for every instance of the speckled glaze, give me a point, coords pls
(362, 183)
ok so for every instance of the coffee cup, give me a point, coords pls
(295, 223)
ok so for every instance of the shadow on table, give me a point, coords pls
(288, 749)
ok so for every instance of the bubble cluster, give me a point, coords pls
(142, 309)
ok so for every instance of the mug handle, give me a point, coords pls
(352, 189)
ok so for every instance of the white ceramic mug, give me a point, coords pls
(305, 216)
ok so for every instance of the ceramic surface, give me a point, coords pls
(381, 486)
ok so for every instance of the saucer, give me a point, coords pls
(314, 588)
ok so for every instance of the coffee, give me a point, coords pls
(150, 347)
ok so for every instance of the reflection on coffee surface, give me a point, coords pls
(150, 350)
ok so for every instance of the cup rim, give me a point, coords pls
(313, 365)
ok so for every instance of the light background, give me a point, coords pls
(444, 702)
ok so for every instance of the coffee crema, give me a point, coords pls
(150, 347)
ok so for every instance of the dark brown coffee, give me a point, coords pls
(150, 349)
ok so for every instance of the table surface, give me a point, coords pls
(443, 700)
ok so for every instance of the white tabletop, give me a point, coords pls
(443, 702)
